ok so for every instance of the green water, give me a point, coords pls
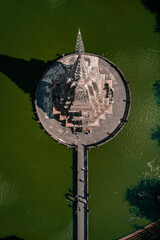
(35, 171)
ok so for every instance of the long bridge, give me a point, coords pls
(82, 193)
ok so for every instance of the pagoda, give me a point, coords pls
(85, 96)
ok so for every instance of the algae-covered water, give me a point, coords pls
(35, 171)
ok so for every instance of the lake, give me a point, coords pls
(35, 171)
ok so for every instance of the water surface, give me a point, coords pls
(35, 171)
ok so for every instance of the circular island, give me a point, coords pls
(82, 98)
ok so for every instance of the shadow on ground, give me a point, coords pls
(154, 7)
(144, 199)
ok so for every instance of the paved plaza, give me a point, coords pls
(109, 126)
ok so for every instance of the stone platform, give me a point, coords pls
(110, 123)
(109, 127)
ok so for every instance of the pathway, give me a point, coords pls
(82, 194)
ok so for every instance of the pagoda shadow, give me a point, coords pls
(144, 199)
(154, 7)
(25, 74)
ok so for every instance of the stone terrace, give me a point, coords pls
(109, 126)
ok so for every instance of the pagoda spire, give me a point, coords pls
(79, 44)
(81, 69)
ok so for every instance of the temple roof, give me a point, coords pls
(81, 69)
(81, 99)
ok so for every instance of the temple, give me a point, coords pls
(84, 96)
(82, 101)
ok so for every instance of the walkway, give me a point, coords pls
(82, 189)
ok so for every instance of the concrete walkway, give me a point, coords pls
(82, 189)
